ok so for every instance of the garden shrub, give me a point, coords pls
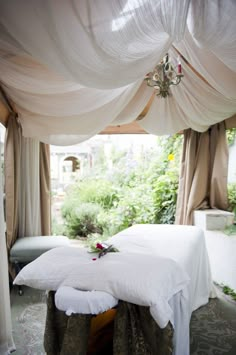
(232, 197)
(231, 135)
(138, 192)
(165, 197)
(98, 191)
(82, 219)
(135, 206)
(57, 228)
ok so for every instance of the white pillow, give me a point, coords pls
(48, 271)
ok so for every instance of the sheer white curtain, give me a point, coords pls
(29, 194)
(212, 25)
(60, 82)
(97, 44)
(6, 341)
(206, 63)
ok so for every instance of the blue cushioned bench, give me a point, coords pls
(27, 249)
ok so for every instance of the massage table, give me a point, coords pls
(150, 259)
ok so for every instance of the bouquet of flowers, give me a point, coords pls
(102, 249)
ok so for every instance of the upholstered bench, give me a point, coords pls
(28, 249)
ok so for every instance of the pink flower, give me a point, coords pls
(94, 259)
(99, 246)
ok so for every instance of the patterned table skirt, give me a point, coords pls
(127, 330)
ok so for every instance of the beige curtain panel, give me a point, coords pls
(12, 153)
(203, 176)
(45, 188)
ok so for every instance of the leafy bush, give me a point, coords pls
(137, 192)
(229, 291)
(82, 219)
(135, 206)
(98, 191)
(232, 197)
(231, 135)
(165, 197)
(58, 229)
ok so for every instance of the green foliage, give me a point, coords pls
(99, 191)
(231, 135)
(230, 230)
(142, 189)
(81, 220)
(135, 206)
(58, 229)
(165, 192)
(229, 291)
(232, 197)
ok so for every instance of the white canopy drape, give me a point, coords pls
(73, 67)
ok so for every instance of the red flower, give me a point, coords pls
(99, 246)
(94, 259)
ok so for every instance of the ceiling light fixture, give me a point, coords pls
(164, 75)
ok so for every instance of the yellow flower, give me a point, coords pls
(171, 157)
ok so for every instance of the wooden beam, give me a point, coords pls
(130, 128)
(133, 127)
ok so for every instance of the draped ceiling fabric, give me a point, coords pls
(203, 177)
(73, 67)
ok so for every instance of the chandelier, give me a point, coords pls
(164, 75)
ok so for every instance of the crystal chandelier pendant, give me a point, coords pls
(164, 75)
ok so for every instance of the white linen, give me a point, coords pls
(127, 276)
(85, 70)
(71, 300)
(179, 304)
(184, 244)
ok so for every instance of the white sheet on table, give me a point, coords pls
(184, 244)
(145, 280)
